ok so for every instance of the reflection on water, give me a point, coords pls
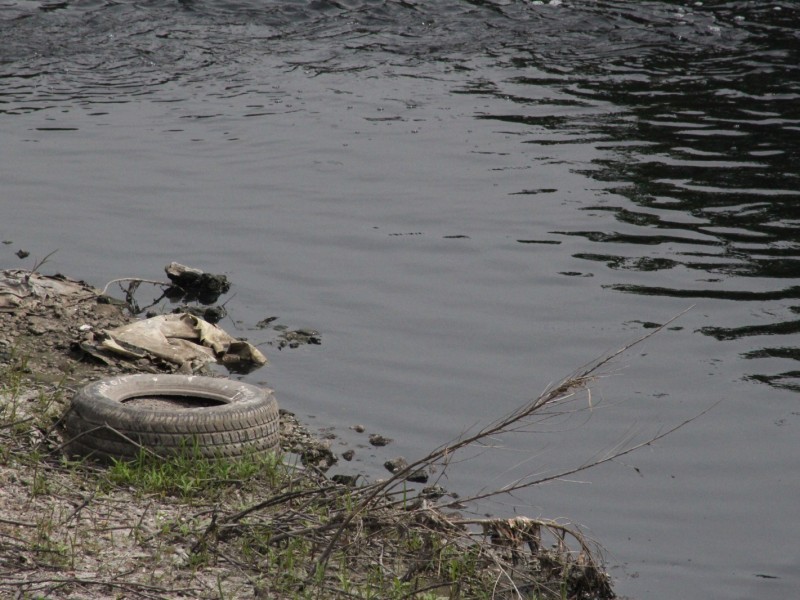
(725, 154)
(705, 163)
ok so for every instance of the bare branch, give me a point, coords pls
(558, 395)
(136, 280)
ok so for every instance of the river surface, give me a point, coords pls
(469, 200)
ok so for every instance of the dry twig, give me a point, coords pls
(554, 396)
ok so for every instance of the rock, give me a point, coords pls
(182, 275)
(420, 476)
(348, 455)
(194, 283)
(395, 465)
(377, 439)
(348, 480)
(318, 454)
(433, 492)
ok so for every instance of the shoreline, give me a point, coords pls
(255, 528)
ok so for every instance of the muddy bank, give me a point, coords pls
(285, 530)
(53, 329)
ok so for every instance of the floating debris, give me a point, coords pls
(194, 284)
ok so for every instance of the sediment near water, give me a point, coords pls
(259, 527)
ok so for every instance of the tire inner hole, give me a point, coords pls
(171, 402)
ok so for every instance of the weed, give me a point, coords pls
(282, 531)
(11, 388)
(190, 475)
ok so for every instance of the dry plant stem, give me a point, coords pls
(139, 589)
(275, 500)
(136, 280)
(563, 391)
(41, 262)
(18, 523)
(521, 484)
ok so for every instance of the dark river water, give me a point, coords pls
(469, 200)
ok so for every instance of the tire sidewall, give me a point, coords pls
(244, 408)
(111, 393)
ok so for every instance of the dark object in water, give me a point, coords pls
(193, 284)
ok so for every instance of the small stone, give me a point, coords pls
(420, 476)
(264, 323)
(433, 492)
(376, 439)
(348, 454)
(36, 328)
(358, 428)
(318, 455)
(395, 465)
(348, 480)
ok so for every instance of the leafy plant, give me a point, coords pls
(189, 474)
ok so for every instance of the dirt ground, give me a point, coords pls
(49, 331)
(67, 533)
(60, 539)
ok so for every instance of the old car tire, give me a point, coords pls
(117, 417)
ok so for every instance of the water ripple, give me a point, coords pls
(694, 109)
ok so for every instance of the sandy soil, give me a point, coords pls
(59, 537)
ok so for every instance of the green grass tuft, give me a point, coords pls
(190, 475)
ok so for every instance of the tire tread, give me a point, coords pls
(247, 421)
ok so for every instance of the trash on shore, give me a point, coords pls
(193, 283)
(185, 340)
(20, 289)
(340, 523)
